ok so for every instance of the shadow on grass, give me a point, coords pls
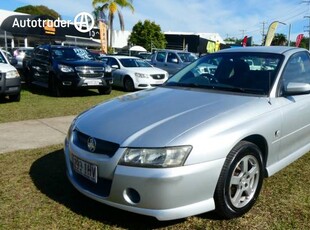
(34, 89)
(49, 175)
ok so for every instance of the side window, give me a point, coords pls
(42, 54)
(172, 58)
(161, 56)
(297, 69)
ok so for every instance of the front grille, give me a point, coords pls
(158, 76)
(90, 71)
(102, 147)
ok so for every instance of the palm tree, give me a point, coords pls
(112, 6)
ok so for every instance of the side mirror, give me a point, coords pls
(174, 60)
(293, 88)
(115, 67)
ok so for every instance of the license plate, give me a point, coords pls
(86, 169)
(93, 82)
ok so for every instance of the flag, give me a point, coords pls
(298, 39)
(103, 37)
(244, 41)
(271, 31)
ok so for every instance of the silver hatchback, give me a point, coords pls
(203, 141)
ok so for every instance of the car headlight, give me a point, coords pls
(155, 157)
(11, 74)
(65, 68)
(71, 129)
(141, 75)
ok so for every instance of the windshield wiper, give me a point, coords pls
(217, 87)
(189, 85)
(240, 89)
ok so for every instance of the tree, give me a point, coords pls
(148, 35)
(38, 10)
(279, 40)
(112, 6)
(233, 40)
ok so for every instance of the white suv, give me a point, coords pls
(10, 84)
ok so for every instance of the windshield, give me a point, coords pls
(2, 58)
(133, 62)
(72, 54)
(252, 73)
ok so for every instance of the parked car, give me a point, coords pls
(98, 55)
(24, 71)
(201, 141)
(10, 84)
(133, 73)
(172, 60)
(61, 68)
(19, 53)
(144, 55)
(8, 55)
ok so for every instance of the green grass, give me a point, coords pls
(37, 103)
(35, 194)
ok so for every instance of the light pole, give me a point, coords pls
(308, 29)
(289, 33)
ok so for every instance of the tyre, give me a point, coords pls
(105, 90)
(128, 84)
(28, 76)
(240, 181)
(54, 87)
(15, 97)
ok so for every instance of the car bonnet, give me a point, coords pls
(153, 118)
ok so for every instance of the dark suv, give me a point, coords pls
(63, 67)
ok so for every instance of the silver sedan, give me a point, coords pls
(202, 141)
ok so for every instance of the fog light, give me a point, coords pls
(131, 196)
(67, 83)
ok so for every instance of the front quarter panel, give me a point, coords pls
(215, 141)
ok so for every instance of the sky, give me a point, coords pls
(233, 18)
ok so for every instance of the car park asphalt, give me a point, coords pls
(31, 134)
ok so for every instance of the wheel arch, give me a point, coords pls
(130, 79)
(125, 77)
(261, 143)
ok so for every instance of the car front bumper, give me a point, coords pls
(73, 81)
(164, 193)
(146, 83)
(10, 86)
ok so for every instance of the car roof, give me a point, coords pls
(171, 50)
(23, 48)
(122, 57)
(263, 49)
(59, 46)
